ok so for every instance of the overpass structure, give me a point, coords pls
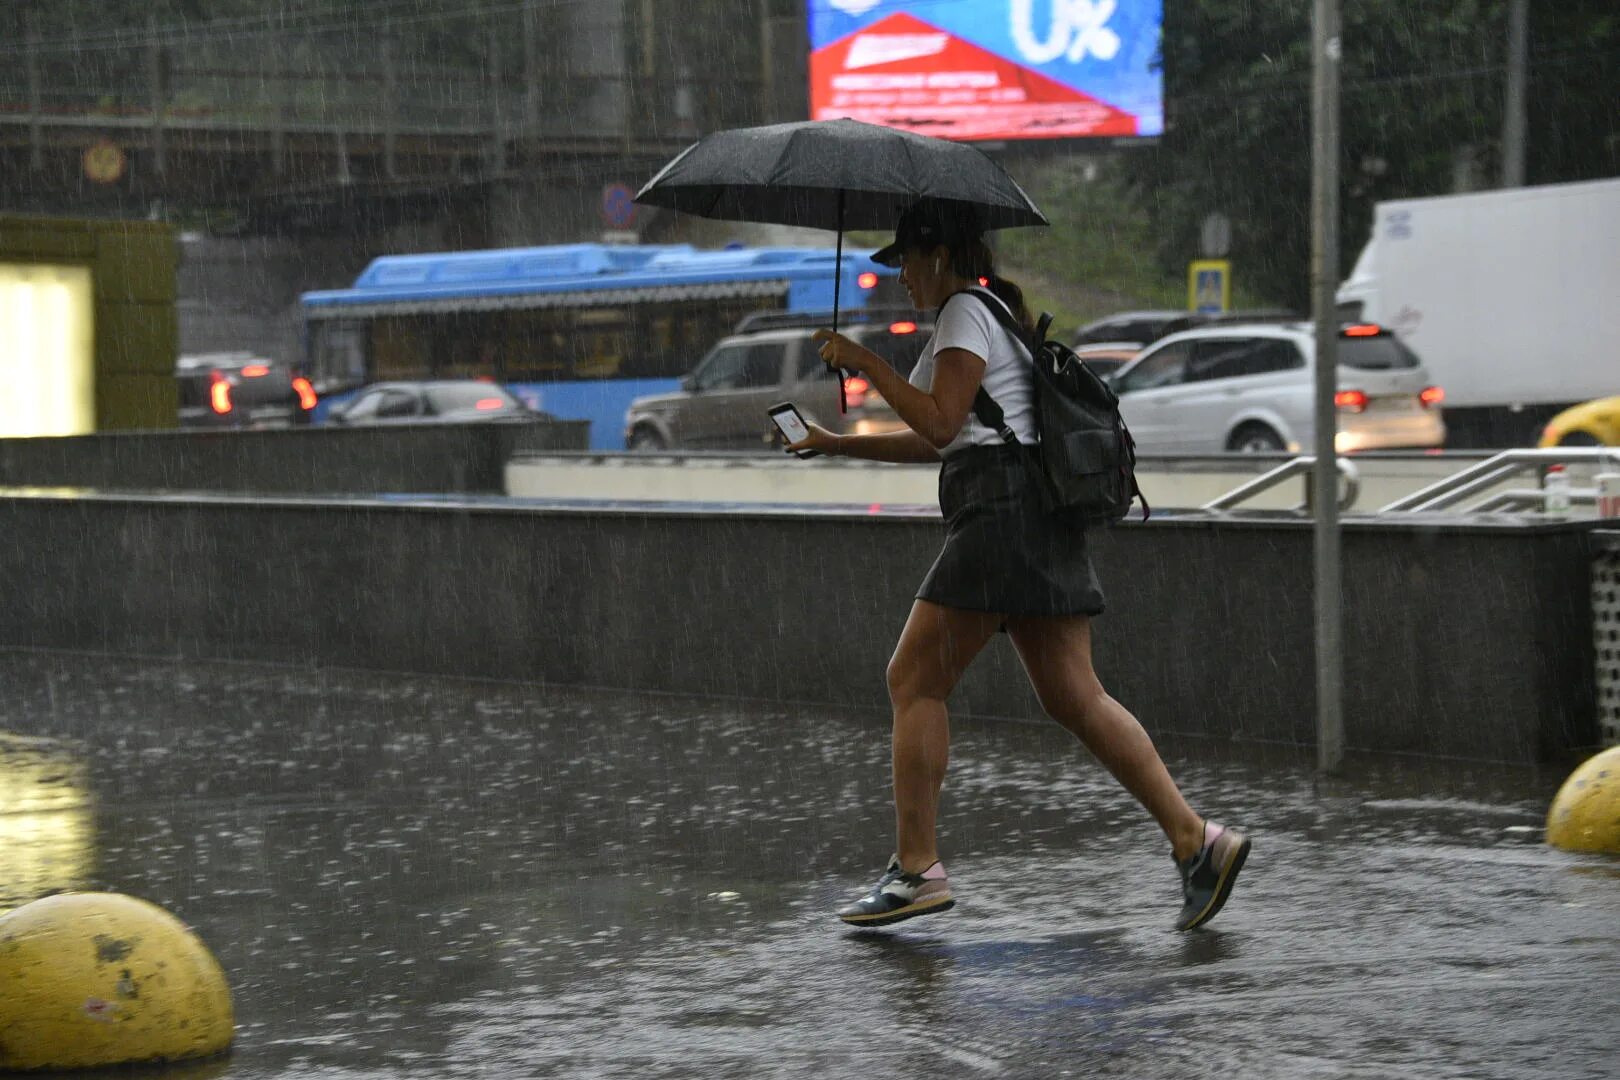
(354, 120)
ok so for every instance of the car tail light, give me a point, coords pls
(1363, 330)
(1431, 395)
(255, 371)
(488, 404)
(902, 328)
(219, 394)
(855, 391)
(1351, 400)
(867, 280)
(984, 282)
(306, 393)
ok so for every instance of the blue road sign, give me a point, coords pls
(618, 206)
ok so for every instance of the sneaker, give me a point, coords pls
(899, 895)
(1207, 877)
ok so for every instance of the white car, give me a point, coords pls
(1252, 388)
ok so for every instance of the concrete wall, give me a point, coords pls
(407, 458)
(1461, 640)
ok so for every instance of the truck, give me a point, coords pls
(1510, 298)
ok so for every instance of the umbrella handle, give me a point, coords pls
(838, 280)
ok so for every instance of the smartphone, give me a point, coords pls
(788, 421)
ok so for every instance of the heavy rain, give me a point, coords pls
(705, 538)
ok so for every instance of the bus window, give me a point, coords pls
(602, 336)
(401, 347)
(665, 341)
(652, 341)
(337, 354)
(467, 344)
(536, 345)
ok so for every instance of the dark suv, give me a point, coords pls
(241, 390)
(722, 403)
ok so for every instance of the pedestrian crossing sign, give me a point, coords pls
(1209, 286)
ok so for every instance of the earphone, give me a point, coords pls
(936, 265)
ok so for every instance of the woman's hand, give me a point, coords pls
(819, 439)
(839, 351)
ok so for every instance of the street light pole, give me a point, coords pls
(1326, 51)
(1513, 109)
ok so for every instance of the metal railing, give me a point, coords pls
(1349, 488)
(1494, 471)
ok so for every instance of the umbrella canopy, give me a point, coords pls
(834, 174)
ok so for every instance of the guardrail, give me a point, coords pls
(1496, 470)
(1349, 487)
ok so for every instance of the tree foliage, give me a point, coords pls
(1423, 93)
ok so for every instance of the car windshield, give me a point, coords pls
(1382, 353)
(462, 397)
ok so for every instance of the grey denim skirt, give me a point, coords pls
(1003, 552)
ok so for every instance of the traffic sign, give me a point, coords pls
(618, 206)
(1215, 237)
(1209, 286)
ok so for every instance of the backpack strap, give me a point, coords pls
(985, 406)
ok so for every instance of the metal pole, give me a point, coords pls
(531, 76)
(36, 129)
(1325, 49)
(497, 87)
(278, 138)
(390, 109)
(767, 71)
(154, 74)
(1513, 108)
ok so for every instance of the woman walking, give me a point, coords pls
(1007, 564)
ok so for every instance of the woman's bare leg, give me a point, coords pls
(935, 648)
(1056, 652)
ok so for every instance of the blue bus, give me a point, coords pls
(576, 330)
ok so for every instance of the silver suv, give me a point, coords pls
(722, 404)
(1252, 388)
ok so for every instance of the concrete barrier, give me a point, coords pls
(1185, 481)
(1585, 814)
(1463, 638)
(404, 458)
(89, 980)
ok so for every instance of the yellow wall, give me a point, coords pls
(127, 313)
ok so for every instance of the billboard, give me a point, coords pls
(989, 69)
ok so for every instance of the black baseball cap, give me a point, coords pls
(927, 223)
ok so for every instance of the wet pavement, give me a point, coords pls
(432, 877)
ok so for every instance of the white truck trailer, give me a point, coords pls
(1510, 298)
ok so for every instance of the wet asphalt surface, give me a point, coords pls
(407, 876)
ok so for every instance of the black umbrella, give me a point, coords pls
(834, 174)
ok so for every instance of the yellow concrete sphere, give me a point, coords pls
(1585, 815)
(90, 979)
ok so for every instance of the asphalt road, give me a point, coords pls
(426, 877)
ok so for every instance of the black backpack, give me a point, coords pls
(1086, 459)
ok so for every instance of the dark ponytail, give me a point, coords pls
(975, 262)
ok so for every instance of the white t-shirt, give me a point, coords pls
(966, 323)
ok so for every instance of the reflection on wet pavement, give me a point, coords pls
(46, 831)
(449, 878)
